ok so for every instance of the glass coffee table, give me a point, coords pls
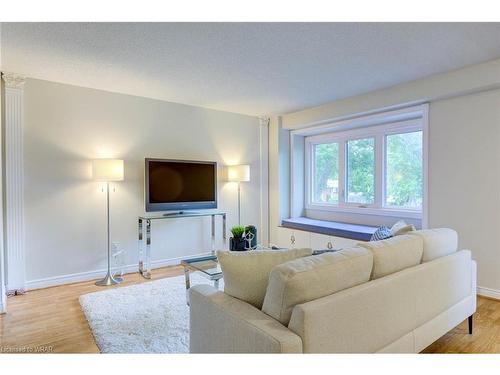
(207, 266)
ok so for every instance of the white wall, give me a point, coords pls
(66, 126)
(464, 153)
(464, 177)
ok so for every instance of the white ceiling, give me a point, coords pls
(251, 68)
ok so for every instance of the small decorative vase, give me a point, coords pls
(237, 244)
(251, 236)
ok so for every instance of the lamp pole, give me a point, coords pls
(108, 279)
(239, 203)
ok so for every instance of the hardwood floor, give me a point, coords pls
(50, 320)
(485, 337)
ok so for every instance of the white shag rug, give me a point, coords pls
(150, 317)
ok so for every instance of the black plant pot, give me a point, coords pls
(237, 244)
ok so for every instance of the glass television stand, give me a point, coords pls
(145, 235)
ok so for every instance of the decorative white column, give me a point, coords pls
(264, 181)
(3, 300)
(14, 182)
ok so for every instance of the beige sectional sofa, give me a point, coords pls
(396, 295)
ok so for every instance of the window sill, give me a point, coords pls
(330, 228)
(404, 214)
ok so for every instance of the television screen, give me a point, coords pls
(180, 184)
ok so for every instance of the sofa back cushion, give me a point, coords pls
(437, 242)
(394, 254)
(246, 273)
(306, 279)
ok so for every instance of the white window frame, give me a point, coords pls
(377, 126)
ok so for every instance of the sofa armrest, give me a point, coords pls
(220, 323)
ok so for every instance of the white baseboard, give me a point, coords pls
(488, 292)
(92, 275)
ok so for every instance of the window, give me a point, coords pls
(361, 171)
(375, 169)
(326, 173)
(403, 170)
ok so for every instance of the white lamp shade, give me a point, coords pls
(238, 173)
(107, 169)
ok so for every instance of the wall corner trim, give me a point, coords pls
(264, 122)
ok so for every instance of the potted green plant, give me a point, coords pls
(237, 241)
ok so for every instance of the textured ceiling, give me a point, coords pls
(251, 68)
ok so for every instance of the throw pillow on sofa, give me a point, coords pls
(394, 254)
(309, 278)
(400, 227)
(381, 234)
(405, 230)
(246, 274)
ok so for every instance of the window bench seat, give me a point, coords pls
(331, 228)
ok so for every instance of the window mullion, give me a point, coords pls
(379, 170)
(342, 173)
(309, 171)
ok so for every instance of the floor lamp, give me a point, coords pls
(108, 170)
(238, 173)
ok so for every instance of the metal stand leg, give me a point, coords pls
(140, 245)
(145, 249)
(471, 322)
(213, 234)
(188, 283)
(147, 273)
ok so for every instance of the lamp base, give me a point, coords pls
(109, 280)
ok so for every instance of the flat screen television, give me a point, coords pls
(180, 184)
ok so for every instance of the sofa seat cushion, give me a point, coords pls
(437, 242)
(394, 254)
(246, 274)
(306, 279)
